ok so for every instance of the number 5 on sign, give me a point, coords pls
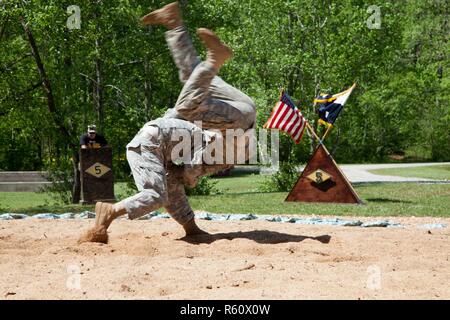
(97, 170)
(74, 20)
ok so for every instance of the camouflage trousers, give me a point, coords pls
(159, 184)
(205, 96)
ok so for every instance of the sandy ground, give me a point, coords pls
(39, 259)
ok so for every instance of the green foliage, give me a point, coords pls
(282, 180)
(401, 101)
(124, 190)
(62, 182)
(205, 186)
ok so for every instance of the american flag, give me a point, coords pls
(286, 117)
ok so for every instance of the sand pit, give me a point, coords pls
(40, 259)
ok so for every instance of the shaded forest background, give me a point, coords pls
(54, 81)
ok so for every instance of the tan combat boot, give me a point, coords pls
(104, 215)
(217, 52)
(168, 16)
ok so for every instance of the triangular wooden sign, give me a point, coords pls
(323, 181)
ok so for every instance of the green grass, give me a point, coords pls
(239, 183)
(438, 172)
(387, 199)
(37, 202)
(34, 202)
(239, 194)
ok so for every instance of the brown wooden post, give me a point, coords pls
(97, 178)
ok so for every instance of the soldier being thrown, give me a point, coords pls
(205, 97)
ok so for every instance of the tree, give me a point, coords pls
(54, 81)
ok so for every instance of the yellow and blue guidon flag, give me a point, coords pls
(331, 105)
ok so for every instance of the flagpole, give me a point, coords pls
(281, 93)
(326, 132)
(311, 130)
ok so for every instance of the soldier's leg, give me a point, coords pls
(177, 37)
(217, 54)
(105, 214)
(147, 165)
(239, 108)
(186, 59)
(150, 178)
(208, 98)
(177, 204)
(183, 52)
(196, 89)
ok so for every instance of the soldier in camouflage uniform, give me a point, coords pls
(205, 97)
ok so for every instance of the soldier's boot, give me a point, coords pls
(217, 52)
(192, 229)
(105, 213)
(168, 16)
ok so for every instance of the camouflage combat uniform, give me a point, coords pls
(161, 182)
(205, 97)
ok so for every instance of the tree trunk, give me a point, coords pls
(98, 90)
(46, 84)
(147, 90)
(3, 27)
(76, 190)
